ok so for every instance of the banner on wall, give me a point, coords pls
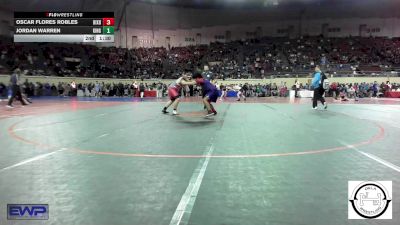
(71, 59)
(214, 63)
(189, 39)
(145, 42)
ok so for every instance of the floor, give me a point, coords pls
(264, 161)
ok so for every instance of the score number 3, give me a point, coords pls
(108, 21)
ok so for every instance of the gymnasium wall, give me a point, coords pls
(5, 22)
(289, 81)
(378, 27)
(143, 15)
(150, 24)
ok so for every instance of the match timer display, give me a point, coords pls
(64, 26)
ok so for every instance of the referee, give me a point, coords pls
(318, 85)
(16, 90)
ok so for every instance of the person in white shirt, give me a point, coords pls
(297, 87)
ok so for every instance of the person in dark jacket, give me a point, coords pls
(375, 89)
(317, 84)
(16, 89)
(141, 90)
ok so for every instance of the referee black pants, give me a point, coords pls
(318, 96)
(16, 91)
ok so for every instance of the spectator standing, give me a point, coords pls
(159, 90)
(16, 89)
(297, 87)
(97, 89)
(135, 88)
(317, 84)
(141, 90)
(375, 89)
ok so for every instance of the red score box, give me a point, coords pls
(108, 21)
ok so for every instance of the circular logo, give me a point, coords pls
(370, 199)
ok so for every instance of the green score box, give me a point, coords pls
(108, 30)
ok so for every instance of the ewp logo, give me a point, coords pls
(27, 211)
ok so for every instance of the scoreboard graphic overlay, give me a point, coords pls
(64, 26)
